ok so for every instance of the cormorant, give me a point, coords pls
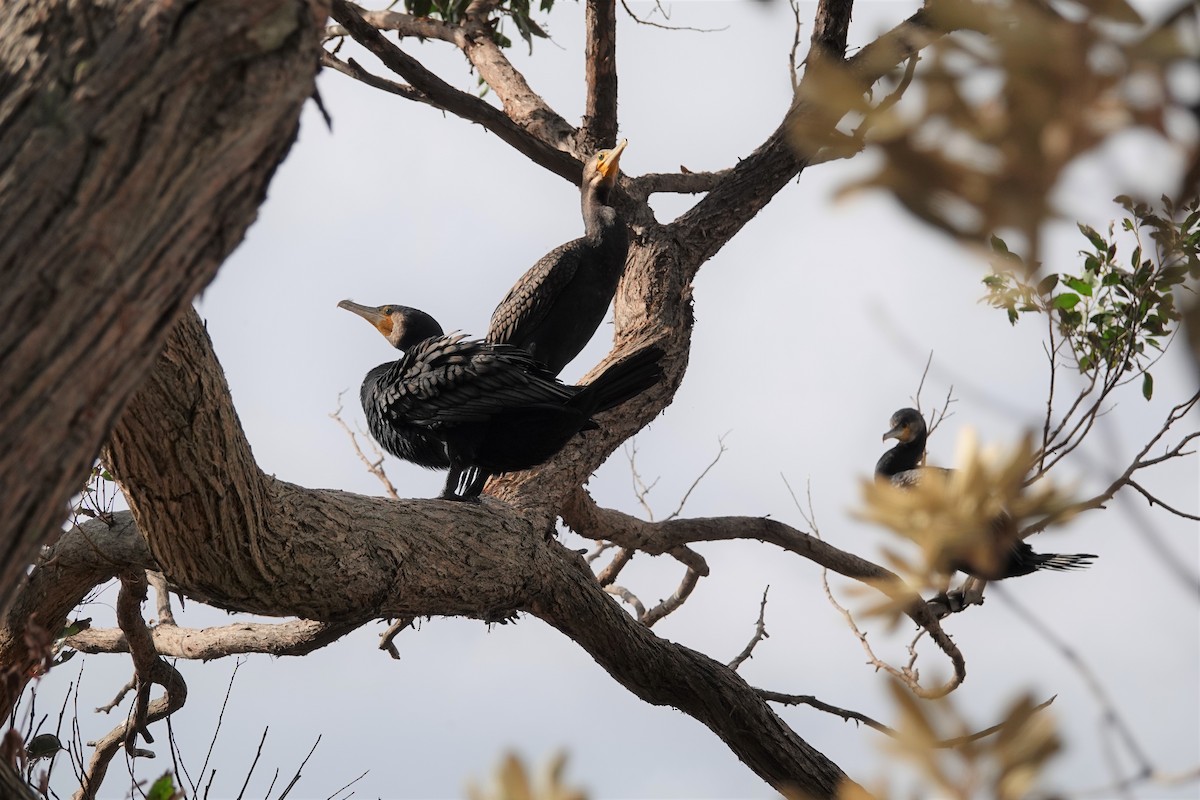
(479, 408)
(554, 309)
(902, 467)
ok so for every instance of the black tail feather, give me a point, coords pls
(624, 380)
(1063, 562)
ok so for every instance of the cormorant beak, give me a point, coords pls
(609, 168)
(899, 433)
(371, 314)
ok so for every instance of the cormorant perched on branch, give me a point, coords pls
(554, 309)
(476, 407)
(902, 466)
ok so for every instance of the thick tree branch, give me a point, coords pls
(582, 515)
(643, 186)
(406, 25)
(522, 105)
(599, 127)
(253, 543)
(83, 558)
(138, 139)
(149, 669)
(442, 94)
(296, 638)
(697, 685)
(750, 185)
(353, 69)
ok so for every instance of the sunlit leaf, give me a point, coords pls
(1065, 301)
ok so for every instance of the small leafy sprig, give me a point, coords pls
(519, 11)
(1112, 315)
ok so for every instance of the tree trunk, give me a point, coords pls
(137, 138)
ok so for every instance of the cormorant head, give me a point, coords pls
(907, 425)
(400, 325)
(602, 169)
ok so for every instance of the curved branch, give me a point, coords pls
(750, 185)
(249, 542)
(570, 600)
(82, 559)
(586, 518)
(150, 669)
(442, 94)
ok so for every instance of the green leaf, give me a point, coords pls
(998, 245)
(1066, 300)
(163, 788)
(1047, 284)
(1081, 286)
(1147, 385)
(1092, 236)
(42, 745)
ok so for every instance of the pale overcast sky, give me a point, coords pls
(812, 327)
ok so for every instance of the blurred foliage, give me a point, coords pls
(164, 789)
(1002, 103)
(511, 781)
(1115, 316)
(971, 514)
(519, 11)
(1005, 766)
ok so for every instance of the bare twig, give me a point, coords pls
(677, 598)
(387, 640)
(610, 573)
(348, 785)
(296, 777)
(116, 701)
(629, 597)
(760, 633)
(942, 744)
(582, 515)
(237, 664)
(793, 63)
(659, 8)
(374, 467)
(683, 500)
(353, 69)
(908, 674)
(1111, 716)
(253, 763)
(459, 103)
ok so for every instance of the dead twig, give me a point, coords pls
(760, 633)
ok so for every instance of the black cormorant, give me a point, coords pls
(902, 466)
(479, 408)
(554, 309)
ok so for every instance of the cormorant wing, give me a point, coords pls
(453, 380)
(527, 303)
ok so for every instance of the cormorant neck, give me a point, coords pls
(598, 215)
(902, 457)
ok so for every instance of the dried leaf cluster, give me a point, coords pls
(971, 514)
(512, 781)
(1011, 95)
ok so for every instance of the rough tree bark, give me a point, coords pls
(137, 138)
(160, 177)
